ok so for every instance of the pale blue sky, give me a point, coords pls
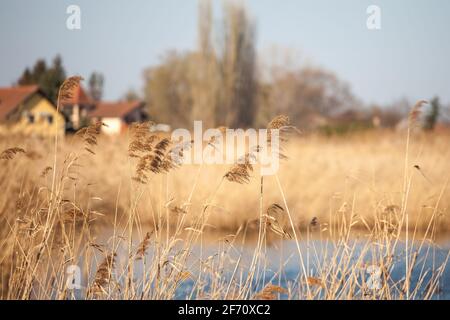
(408, 57)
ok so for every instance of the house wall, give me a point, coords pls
(113, 126)
(37, 116)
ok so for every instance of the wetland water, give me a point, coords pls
(282, 264)
(221, 262)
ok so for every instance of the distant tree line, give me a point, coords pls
(217, 83)
(396, 114)
(224, 82)
(50, 78)
(221, 82)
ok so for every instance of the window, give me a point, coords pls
(30, 117)
(46, 117)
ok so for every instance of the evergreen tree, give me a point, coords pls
(432, 115)
(48, 79)
(96, 81)
(39, 70)
(26, 78)
(53, 79)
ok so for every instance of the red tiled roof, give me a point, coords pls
(114, 109)
(12, 97)
(78, 96)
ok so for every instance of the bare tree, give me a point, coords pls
(168, 91)
(238, 66)
(204, 77)
(219, 82)
(304, 92)
(96, 81)
(216, 84)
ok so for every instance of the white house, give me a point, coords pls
(117, 116)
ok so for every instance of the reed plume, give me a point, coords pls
(213, 140)
(284, 128)
(143, 246)
(10, 153)
(274, 208)
(157, 164)
(315, 282)
(239, 173)
(415, 112)
(270, 292)
(45, 172)
(89, 135)
(158, 158)
(73, 214)
(66, 91)
(314, 222)
(103, 275)
(279, 122)
(142, 140)
(272, 223)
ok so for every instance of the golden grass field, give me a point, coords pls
(362, 174)
(339, 187)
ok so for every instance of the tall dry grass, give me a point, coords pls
(115, 205)
(363, 173)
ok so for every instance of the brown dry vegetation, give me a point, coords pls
(339, 186)
(362, 173)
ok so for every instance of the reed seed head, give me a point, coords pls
(10, 153)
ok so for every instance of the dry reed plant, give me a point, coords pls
(89, 135)
(270, 292)
(143, 246)
(103, 277)
(344, 205)
(10, 153)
